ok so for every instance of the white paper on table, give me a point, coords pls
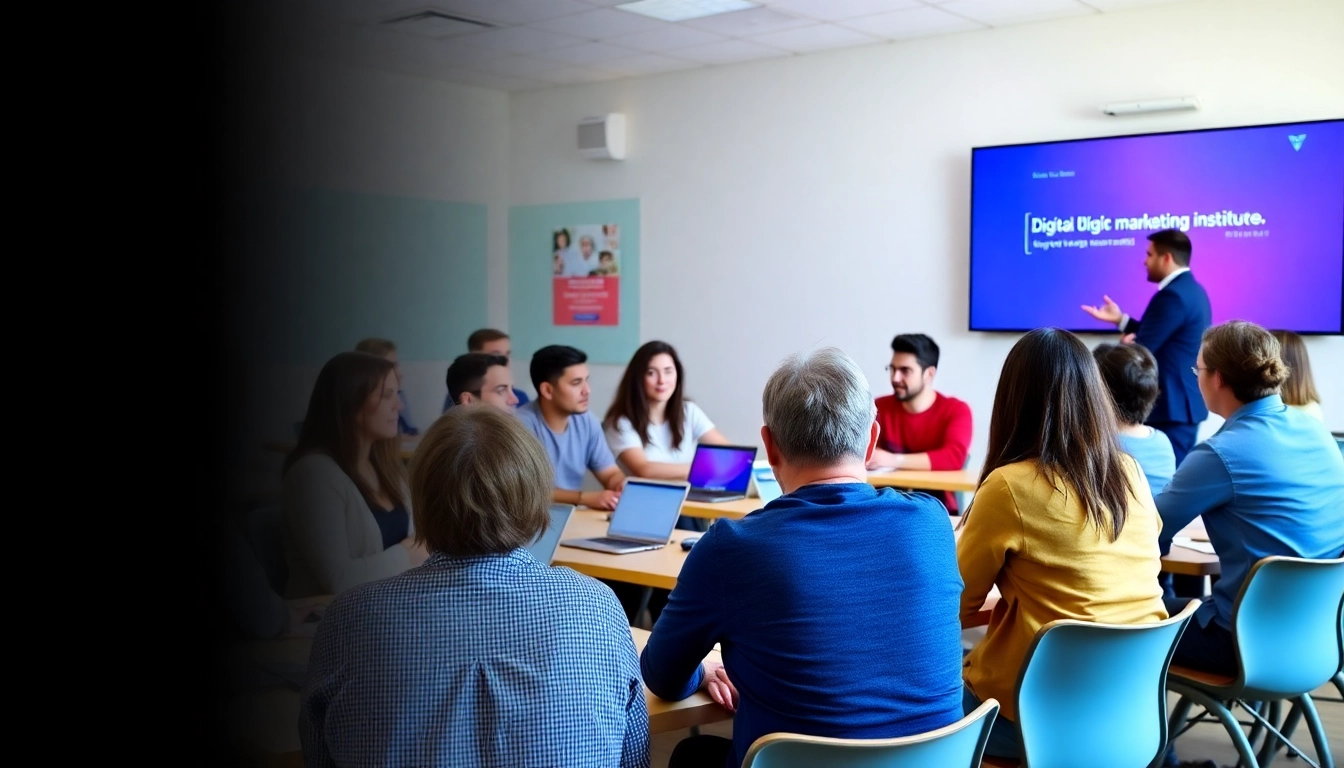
(1198, 546)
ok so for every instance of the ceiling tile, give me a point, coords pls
(517, 66)
(916, 22)
(588, 53)
(599, 24)
(756, 21)
(819, 37)
(667, 37)
(496, 82)
(646, 64)
(1106, 6)
(729, 51)
(999, 13)
(518, 40)
(837, 10)
(510, 12)
(574, 75)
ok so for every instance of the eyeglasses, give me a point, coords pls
(1195, 369)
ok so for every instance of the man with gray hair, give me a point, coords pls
(836, 605)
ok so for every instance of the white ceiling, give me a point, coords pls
(537, 44)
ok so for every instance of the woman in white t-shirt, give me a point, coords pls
(651, 428)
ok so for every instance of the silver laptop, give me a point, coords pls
(643, 520)
(543, 548)
(721, 472)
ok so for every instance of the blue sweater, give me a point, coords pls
(836, 607)
(1268, 483)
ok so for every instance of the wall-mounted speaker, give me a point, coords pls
(602, 138)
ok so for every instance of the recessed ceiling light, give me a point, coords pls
(680, 10)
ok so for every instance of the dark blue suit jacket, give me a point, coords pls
(1172, 325)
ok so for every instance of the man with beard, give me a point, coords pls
(921, 428)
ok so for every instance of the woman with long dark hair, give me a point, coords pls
(651, 427)
(347, 509)
(1063, 520)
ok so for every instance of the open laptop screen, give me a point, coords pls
(722, 467)
(543, 548)
(647, 511)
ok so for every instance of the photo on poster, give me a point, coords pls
(585, 265)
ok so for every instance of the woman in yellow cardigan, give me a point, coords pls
(1063, 521)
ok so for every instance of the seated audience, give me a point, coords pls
(345, 502)
(1129, 372)
(1063, 521)
(921, 428)
(387, 350)
(480, 378)
(1299, 390)
(836, 632)
(1269, 482)
(572, 438)
(482, 656)
(490, 342)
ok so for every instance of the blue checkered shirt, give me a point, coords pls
(484, 661)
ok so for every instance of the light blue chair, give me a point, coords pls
(1286, 629)
(1095, 694)
(959, 745)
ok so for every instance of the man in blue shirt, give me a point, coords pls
(482, 656)
(572, 436)
(847, 626)
(1269, 482)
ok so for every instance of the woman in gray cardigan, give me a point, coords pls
(347, 509)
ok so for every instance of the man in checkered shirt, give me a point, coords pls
(482, 656)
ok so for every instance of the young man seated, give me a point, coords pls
(572, 436)
(921, 428)
(481, 656)
(480, 378)
(832, 631)
(490, 342)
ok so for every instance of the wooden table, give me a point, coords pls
(657, 568)
(926, 480)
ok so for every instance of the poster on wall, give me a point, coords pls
(585, 268)
(584, 293)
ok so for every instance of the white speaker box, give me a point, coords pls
(602, 138)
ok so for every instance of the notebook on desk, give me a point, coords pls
(643, 520)
(543, 547)
(721, 472)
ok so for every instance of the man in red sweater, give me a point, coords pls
(921, 428)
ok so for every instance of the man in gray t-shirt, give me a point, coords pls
(572, 437)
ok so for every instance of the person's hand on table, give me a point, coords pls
(718, 686)
(599, 499)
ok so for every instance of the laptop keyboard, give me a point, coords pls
(613, 542)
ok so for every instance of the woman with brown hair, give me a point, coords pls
(347, 511)
(1299, 390)
(1063, 521)
(651, 427)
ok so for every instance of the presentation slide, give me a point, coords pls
(1058, 225)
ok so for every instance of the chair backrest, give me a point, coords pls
(265, 534)
(1286, 625)
(1097, 690)
(960, 745)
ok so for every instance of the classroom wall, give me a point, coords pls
(394, 197)
(824, 199)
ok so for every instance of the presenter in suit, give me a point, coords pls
(1171, 328)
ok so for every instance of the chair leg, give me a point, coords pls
(1290, 725)
(1178, 717)
(1317, 730)
(1257, 729)
(1230, 724)
(1339, 684)
(1270, 747)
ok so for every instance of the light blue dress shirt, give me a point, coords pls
(1269, 483)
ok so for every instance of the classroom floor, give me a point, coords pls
(1203, 742)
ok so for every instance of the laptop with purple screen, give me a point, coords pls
(721, 472)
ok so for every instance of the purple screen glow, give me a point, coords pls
(1055, 226)
(722, 467)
